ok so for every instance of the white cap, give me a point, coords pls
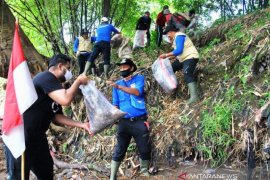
(104, 19)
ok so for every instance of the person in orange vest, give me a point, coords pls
(187, 56)
(83, 48)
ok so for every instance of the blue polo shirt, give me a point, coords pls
(104, 32)
(133, 105)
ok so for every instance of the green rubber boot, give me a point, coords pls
(106, 70)
(194, 97)
(144, 167)
(87, 66)
(114, 168)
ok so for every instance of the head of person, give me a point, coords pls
(127, 67)
(166, 11)
(165, 7)
(104, 20)
(85, 33)
(147, 14)
(60, 66)
(170, 31)
(191, 13)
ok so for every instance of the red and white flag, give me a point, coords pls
(20, 95)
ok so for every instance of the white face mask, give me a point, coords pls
(68, 75)
(166, 38)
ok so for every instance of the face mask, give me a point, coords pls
(166, 39)
(68, 75)
(125, 73)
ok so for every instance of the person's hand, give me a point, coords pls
(111, 83)
(83, 79)
(147, 124)
(86, 126)
(163, 56)
(258, 115)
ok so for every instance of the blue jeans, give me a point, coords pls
(13, 165)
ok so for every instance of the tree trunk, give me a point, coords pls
(36, 61)
(106, 8)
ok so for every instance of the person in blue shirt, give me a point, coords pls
(187, 58)
(83, 49)
(128, 96)
(102, 45)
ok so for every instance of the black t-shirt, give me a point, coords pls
(143, 23)
(39, 116)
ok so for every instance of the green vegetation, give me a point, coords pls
(216, 128)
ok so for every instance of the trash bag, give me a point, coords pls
(140, 39)
(100, 112)
(164, 75)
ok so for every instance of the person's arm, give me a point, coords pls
(149, 24)
(64, 120)
(93, 39)
(65, 96)
(115, 98)
(128, 90)
(76, 45)
(160, 15)
(180, 40)
(115, 30)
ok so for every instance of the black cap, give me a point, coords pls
(129, 62)
(169, 28)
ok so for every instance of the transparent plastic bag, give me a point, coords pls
(140, 39)
(164, 75)
(100, 112)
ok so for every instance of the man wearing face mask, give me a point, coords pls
(128, 96)
(47, 108)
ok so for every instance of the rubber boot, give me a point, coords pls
(193, 92)
(106, 70)
(93, 71)
(144, 167)
(114, 168)
(87, 66)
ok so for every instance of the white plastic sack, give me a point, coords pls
(100, 112)
(140, 39)
(164, 75)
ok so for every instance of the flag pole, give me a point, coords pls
(23, 155)
(22, 165)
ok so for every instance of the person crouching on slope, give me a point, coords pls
(187, 56)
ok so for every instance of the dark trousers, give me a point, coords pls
(188, 67)
(82, 58)
(128, 129)
(159, 35)
(39, 160)
(148, 38)
(13, 165)
(103, 47)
